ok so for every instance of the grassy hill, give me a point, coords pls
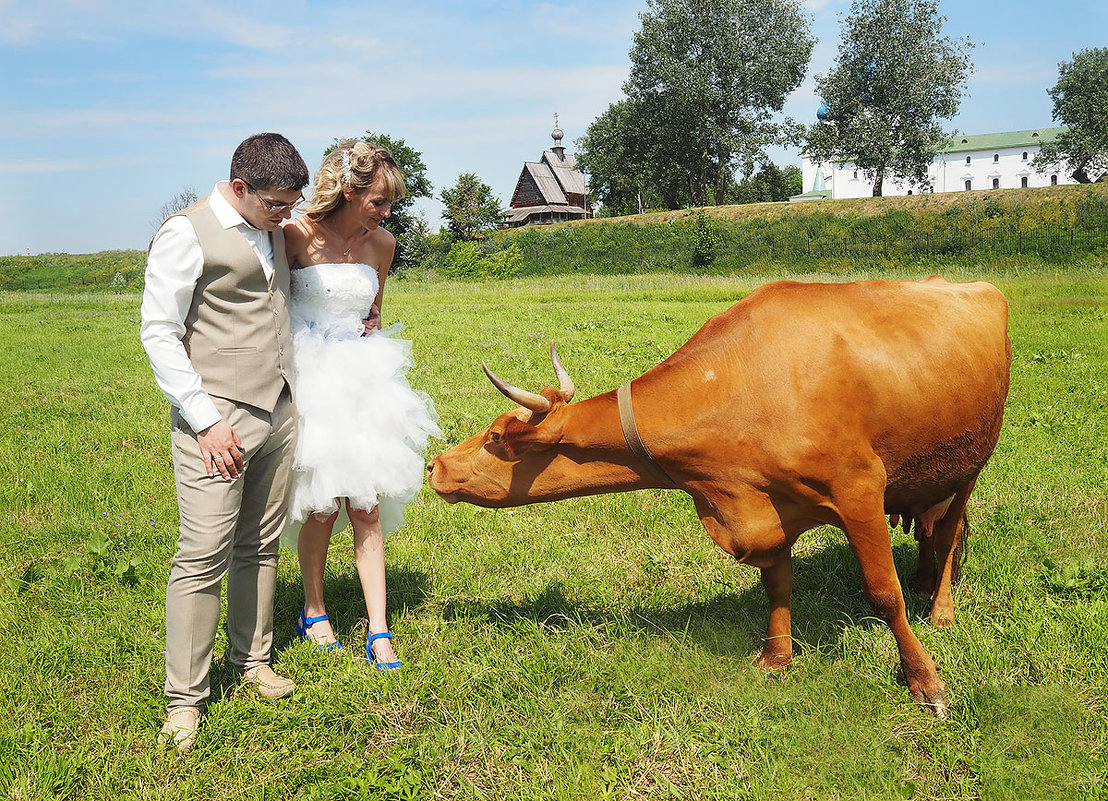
(1011, 201)
(1054, 225)
(108, 271)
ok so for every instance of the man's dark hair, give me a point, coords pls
(269, 161)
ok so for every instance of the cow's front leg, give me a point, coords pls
(778, 582)
(869, 539)
(746, 524)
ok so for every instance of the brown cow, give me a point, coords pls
(802, 405)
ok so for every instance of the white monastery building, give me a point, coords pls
(967, 163)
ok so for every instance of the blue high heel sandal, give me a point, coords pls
(369, 657)
(304, 623)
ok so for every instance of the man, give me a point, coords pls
(215, 325)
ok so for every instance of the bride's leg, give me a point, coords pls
(369, 556)
(315, 536)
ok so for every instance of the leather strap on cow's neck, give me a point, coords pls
(634, 441)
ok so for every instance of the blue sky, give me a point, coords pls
(110, 108)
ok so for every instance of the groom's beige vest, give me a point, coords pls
(237, 330)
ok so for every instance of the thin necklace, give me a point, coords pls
(346, 252)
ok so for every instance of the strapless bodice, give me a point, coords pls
(332, 299)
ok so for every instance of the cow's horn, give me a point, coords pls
(528, 400)
(565, 383)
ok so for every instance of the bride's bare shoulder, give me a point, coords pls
(298, 236)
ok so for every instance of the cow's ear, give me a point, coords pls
(521, 437)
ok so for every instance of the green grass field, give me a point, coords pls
(593, 648)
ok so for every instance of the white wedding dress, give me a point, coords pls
(362, 429)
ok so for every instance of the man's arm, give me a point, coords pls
(173, 266)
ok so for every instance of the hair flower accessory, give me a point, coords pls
(346, 175)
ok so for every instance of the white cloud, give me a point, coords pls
(45, 166)
(17, 27)
(208, 21)
(54, 124)
(39, 21)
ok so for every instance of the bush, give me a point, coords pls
(705, 241)
(466, 260)
(504, 263)
(463, 259)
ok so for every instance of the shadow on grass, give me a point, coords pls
(827, 600)
(345, 607)
(345, 602)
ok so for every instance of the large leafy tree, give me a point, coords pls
(710, 76)
(625, 160)
(471, 207)
(769, 184)
(1081, 104)
(896, 78)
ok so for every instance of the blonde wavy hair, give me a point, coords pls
(355, 164)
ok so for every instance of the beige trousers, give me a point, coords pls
(228, 528)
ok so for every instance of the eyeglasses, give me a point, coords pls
(276, 208)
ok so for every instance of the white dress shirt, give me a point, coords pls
(173, 267)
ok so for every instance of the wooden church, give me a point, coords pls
(549, 190)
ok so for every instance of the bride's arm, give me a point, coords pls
(384, 248)
(294, 243)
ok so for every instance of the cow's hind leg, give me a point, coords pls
(777, 579)
(948, 551)
(927, 573)
(869, 539)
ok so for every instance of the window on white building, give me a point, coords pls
(968, 159)
(969, 183)
(1025, 155)
(996, 183)
(1054, 180)
(996, 158)
(1023, 182)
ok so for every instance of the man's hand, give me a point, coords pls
(372, 321)
(222, 450)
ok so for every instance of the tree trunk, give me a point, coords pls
(723, 159)
(877, 182)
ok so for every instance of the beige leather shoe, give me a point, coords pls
(267, 683)
(180, 728)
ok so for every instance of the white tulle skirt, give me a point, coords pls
(362, 432)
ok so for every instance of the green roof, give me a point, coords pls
(815, 193)
(996, 141)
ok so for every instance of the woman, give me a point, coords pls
(362, 428)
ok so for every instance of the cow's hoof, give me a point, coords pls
(937, 701)
(772, 662)
(922, 587)
(942, 617)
